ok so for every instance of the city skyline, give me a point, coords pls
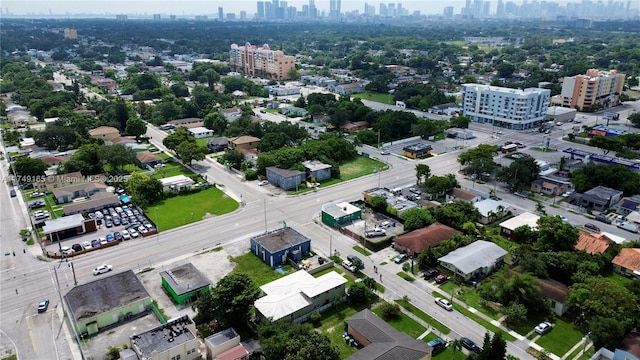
(210, 8)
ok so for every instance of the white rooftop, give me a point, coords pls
(474, 256)
(200, 130)
(294, 292)
(63, 223)
(615, 238)
(526, 218)
(489, 205)
(174, 180)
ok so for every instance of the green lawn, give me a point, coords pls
(561, 338)
(487, 325)
(333, 326)
(172, 169)
(203, 141)
(406, 277)
(470, 296)
(251, 265)
(361, 166)
(185, 209)
(378, 97)
(361, 250)
(406, 325)
(448, 354)
(424, 316)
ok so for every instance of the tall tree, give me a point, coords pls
(136, 127)
(229, 303)
(144, 189)
(117, 156)
(555, 234)
(29, 170)
(423, 171)
(189, 151)
(180, 135)
(122, 114)
(416, 218)
(520, 173)
(295, 342)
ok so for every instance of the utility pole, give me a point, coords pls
(73, 270)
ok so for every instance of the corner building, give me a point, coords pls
(505, 107)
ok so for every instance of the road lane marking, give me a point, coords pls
(33, 341)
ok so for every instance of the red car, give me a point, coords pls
(441, 278)
(592, 227)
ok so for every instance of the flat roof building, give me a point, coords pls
(174, 340)
(184, 282)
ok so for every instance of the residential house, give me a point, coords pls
(174, 340)
(475, 260)
(250, 156)
(599, 198)
(50, 121)
(243, 142)
(106, 302)
(556, 292)
(187, 122)
(176, 183)
(592, 243)
(508, 227)
(381, 341)
(220, 342)
(317, 170)
(417, 151)
(414, 242)
(354, 127)
(81, 190)
(49, 183)
(97, 201)
(148, 159)
(551, 185)
(628, 205)
(231, 114)
(293, 111)
(184, 282)
(277, 90)
(617, 354)
(104, 132)
(296, 296)
(218, 144)
(462, 195)
(627, 262)
(491, 210)
(276, 247)
(346, 89)
(340, 213)
(446, 109)
(201, 132)
(284, 178)
(239, 94)
(106, 83)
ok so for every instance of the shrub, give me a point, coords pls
(315, 319)
(389, 311)
(251, 175)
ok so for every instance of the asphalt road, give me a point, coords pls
(39, 336)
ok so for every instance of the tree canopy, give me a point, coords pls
(229, 303)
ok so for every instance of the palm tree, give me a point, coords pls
(456, 345)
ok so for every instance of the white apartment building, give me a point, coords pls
(504, 107)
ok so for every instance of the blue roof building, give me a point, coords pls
(275, 247)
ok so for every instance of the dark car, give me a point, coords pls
(603, 218)
(592, 227)
(77, 247)
(95, 243)
(110, 237)
(117, 235)
(442, 278)
(470, 345)
(355, 260)
(437, 345)
(430, 274)
(36, 204)
(43, 305)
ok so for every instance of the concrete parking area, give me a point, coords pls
(97, 346)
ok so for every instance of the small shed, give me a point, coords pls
(317, 169)
(221, 341)
(275, 247)
(340, 213)
(184, 282)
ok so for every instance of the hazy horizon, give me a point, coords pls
(205, 7)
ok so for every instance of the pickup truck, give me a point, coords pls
(375, 232)
(628, 226)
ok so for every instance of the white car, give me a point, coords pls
(543, 328)
(263, 183)
(384, 152)
(66, 250)
(126, 235)
(103, 240)
(444, 303)
(87, 245)
(134, 233)
(102, 269)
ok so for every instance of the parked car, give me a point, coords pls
(66, 250)
(36, 194)
(375, 233)
(126, 235)
(400, 258)
(43, 306)
(605, 219)
(134, 233)
(349, 266)
(263, 183)
(95, 243)
(103, 240)
(470, 345)
(429, 274)
(36, 204)
(384, 152)
(104, 268)
(543, 328)
(438, 345)
(108, 223)
(110, 237)
(442, 278)
(87, 245)
(117, 235)
(591, 226)
(444, 303)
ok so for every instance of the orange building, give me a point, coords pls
(263, 61)
(595, 87)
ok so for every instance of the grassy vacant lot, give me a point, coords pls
(561, 338)
(181, 210)
(379, 97)
(203, 141)
(361, 166)
(470, 296)
(258, 271)
(172, 169)
(405, 324)
(333, 326)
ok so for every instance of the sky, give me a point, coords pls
(202, 7)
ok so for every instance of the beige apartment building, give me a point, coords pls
(263, 62)
(595, 87)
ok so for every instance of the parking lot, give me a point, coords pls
(122, 223)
